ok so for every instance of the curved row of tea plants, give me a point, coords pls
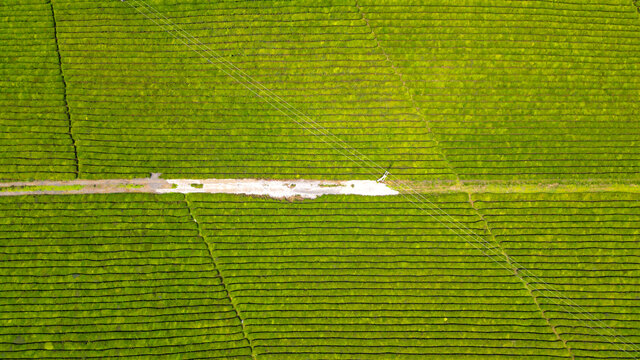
(586, 246)
(510, 90)
(340, 277)
(142, 101)
(34, 127)
(117, 276)
(359, 277)
(521, 90)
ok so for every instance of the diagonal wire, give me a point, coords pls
(233, 75)
(260, 88)
(167, 21)
(416, 197)
(568, 303)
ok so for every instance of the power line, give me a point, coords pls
(417, 199)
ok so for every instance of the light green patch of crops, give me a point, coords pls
(42, 188)
(131, 186)
(521, 90)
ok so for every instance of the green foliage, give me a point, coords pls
(152, 105)
(127, 274)
(42, 188)
(132, 186)
(533, 90)
(102, 276)
(34, 141)
(584, 245)
(346, 275)
(526, 90)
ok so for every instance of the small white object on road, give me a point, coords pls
(383, 178)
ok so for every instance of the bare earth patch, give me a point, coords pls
(303, 189)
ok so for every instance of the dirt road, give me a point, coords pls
(304, 189)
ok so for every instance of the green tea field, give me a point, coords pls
(477, 89)
(311, 180)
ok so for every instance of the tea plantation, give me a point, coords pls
(35, 139)
(477, 89)
(338, 277)
(434, 91)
